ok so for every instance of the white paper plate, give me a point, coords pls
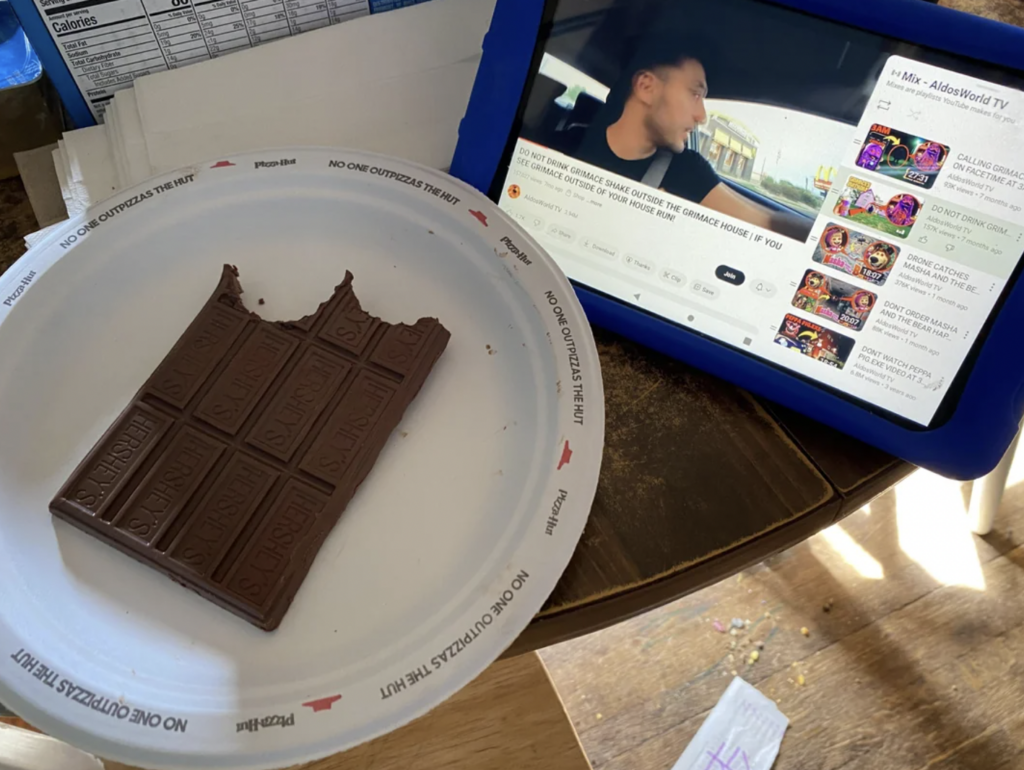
(453, 543)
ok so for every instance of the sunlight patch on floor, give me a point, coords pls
(851, 552)
(934, 530)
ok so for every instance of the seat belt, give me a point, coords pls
(659, 167)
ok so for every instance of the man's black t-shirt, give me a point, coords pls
(689, 175)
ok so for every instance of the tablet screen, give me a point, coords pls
(839, 204)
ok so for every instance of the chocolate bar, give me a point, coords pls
(238, 455)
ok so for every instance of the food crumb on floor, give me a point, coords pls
(737, 623)
(754, 655)
(827, 606)
(805, 631)
(800, 680)
(717, 625)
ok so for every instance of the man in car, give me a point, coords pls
(642, 134)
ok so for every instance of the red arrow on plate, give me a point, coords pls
(566, 456)
(480, 216)
(323, 704)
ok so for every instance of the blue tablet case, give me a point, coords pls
(985, 420)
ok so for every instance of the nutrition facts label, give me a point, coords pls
(109, 43)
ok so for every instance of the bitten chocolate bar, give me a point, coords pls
(237, 457)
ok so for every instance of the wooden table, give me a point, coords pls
(700, 480)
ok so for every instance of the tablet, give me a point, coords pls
(823, 203)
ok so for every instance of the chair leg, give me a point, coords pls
(988, 492)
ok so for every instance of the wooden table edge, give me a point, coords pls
(576, 620)
(877, 483)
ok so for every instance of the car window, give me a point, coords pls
(785, 155)
(575, 81)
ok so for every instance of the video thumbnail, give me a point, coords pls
(879, 207)
(902, 156)
(814, 341)
(834, 299)
(856, 254)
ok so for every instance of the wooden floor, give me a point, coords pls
(918, 662)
